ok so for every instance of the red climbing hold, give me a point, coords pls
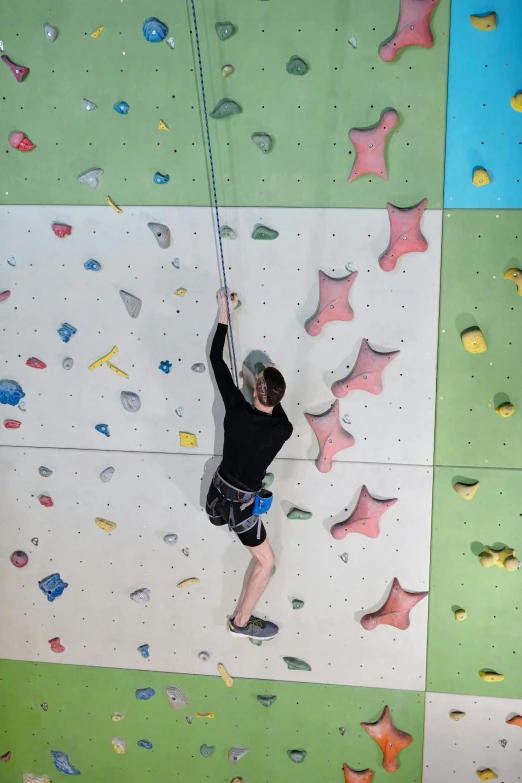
(36, 363)
(19, 141)
(12, 424)
(405, 234)
(18, 71)
(62, 230)
(331, 437)
(56, 646)
(45, 500)
(364, 518)
(370, 146)
(367, 372)
(351, 776)
(333, 302)
(6, 756)
(389, 738)
(4, 295)
(413, 28)
(19, 559)
(395, 610)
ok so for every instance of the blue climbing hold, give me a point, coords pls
(145, 744)
(163, 366)
(10, 392)
(104, 429)
(62, 763)
(144, 694)
(144, 650)
(53, 586)
(122, 107)
(154, 30)
(161, 179)
(66, 331)
(92, 266)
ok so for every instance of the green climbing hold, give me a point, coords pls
(297, 756)
(298, 513)
(273, 571)
(297, 67)
(296, 664)
(255, 642)
(225, 30)
(225, 108)
(297, 603)
(226, 232)
(268, 480)
(207, 750)
(262, 232)
(266, 701)
(263, 141)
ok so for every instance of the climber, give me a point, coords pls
(253, 435)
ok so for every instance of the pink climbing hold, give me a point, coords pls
(4, 295)
(413, 28)
(19, 141)
(56, 645)
(396, 609)
(405, 234)
(45, 500)
(6, 756)
(370, 146)
(364, 518)
(12, 424)
(367, 372)
(19, 559)
(333, 302)
(62, 230)
(36, 363)
(331, 437)
(18, 71)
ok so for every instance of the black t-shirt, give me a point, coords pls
(252, 438)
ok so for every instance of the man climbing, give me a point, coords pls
(253, 435)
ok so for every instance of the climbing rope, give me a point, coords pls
(214, 192)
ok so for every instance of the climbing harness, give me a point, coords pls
(214, 192)
(231, 496)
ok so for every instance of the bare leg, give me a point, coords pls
(257, 581)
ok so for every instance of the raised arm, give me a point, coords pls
(230, 394)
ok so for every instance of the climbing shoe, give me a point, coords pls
(262, 630)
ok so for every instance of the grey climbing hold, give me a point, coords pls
(263, 232)
(141, 596)
(179, 411)
(297, 756)
(296, 67)
(207, 750)
(224, 109)
(266, 701)
(227, 233)
(177, 698)
(235, 754)
(22, 405)
(91, 178)
(51, 33)
(199, 367)
(170, 538)
(225, 30)
(45, 472)
(342, 731)
(347, 418)
(44, 706)
(204, 656)
(189, 719)
(35, 541)
(171, 42)
(162, 234)
(67, 363)
(88, 105)
(297, 664)
(107, 474)
(11, 261)
(268, 480)
(344, 557)
(176, 263)
(263, 141)
(130, 401)
(353, 41)
(350, 266)
(298, 513)
(185, 551)
(297, 603)
(132, 303)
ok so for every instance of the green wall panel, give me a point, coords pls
(81, 701)
(478, 247)
(309, 117)
(490, 636)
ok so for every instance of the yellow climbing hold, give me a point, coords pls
(227, 70)
(180, 292)
(117, 370)
(187, 440)
(205, 715)
(117, 716)
(236, 780)
(98, 32)
(457, 715)
(111, 203)
(106, 358)
(473, 341)
(189, 582)
(480, 177)
(515, 274)
(486, 774)
(505, 410)
(466, 491)
(460, 615)
(486, 23)
(105, 524)
(516, 103)
(227, 679)
(491, 676)
(503, 558)
(28, 777)
(163, 126)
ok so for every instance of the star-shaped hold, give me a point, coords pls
(370, 146)
(396, 609)
(352, 776)
(503, 558)
(413, 28)
(331, 437)
(405, 234)
(367, 372)
(364, 518)
(389, 738)
(333, 302)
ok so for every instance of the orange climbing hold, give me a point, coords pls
(333, 302)
(352, 776)
(366, 374)
(364, 518)
(370, 146)
(413, 28)
(389, 738)
(396, 609)
(405, 234)
(516, 720)
(331, 437)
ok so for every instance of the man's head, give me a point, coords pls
(270, 387)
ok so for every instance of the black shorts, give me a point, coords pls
(218, 513)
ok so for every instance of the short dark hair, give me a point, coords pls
(270, 387)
